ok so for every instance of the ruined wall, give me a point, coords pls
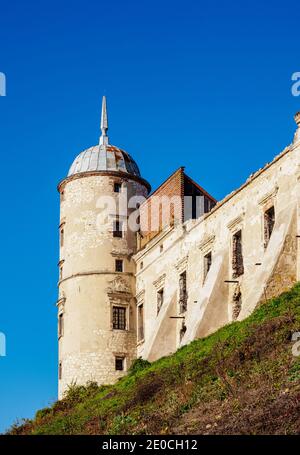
(223, 295)
(89, 286)
(285, 271)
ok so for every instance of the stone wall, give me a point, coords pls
(242, 274)
(223, 295)
(89, 286)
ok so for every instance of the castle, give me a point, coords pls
(141, 274)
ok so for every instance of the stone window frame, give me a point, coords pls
(123, 356)
(118, 183)
(159, 285)
(61, 310)
(119, 234)
(119, 264)
(160, 297)
(183, 302)
(206, 269)
(60, 268)
(206, 246)
(234, 226)
(120, 298)
(181, 264)
(61, 303)
(266, 202)
(62, 233)
(182, 268)
(60, 323)
(126, 308)
(239, 270)
(140, 301)
(62, 236)
(267, 239)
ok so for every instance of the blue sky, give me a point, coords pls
(201, 84)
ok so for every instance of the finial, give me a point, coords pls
(104, 123)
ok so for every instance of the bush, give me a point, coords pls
(138, 365)
(43, 413)
(78, 393)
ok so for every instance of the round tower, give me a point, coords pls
(96, 307)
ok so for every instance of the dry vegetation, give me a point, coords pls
(243, 379)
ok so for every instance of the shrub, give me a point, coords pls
(138, 365)
(78, 393)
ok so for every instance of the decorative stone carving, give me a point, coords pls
(206, 243)
(160, 282)
(268, 198)
(181, 265)
(118, 285)
(236, 222)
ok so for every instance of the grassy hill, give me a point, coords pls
(243, 379)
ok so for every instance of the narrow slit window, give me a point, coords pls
(140, 315)
(207, 264)
(182, 293)
(269, 221)
(62, 234)
(160, 299)
(118, 228)
(119, 265)
(60, 370)
(117, 187)
(237, 255)
(60, 324)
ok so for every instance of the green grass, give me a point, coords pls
(245, 372)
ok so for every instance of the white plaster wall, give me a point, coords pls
(90, 286)
(210, 303)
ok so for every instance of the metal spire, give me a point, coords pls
(104, 123)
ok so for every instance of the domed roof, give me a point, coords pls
(104, 158)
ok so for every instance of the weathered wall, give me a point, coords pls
(212, 301)
(89, 285)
